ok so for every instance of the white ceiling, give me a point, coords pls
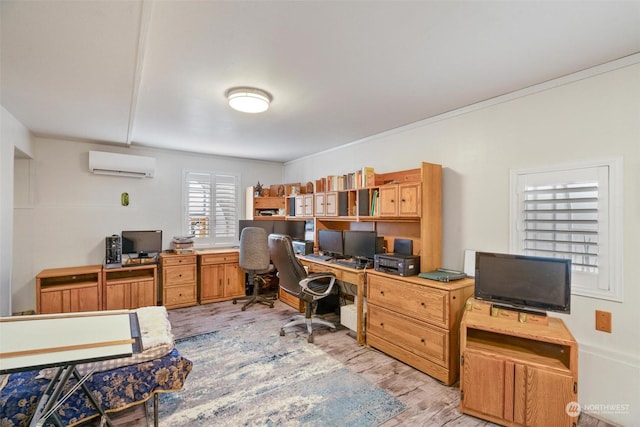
(155, 73)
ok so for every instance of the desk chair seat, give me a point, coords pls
(254, 260)
(295, 280)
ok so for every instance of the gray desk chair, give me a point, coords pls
(295, 280)
(254, 260)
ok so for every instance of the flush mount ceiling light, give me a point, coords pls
(248, 99)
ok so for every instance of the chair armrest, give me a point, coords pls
(304, 283)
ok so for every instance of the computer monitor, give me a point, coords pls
(330, 242)
(360, 244)
(295, 229)
(266, 224)
(144, 243)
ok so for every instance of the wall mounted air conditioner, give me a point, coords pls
(103, 163)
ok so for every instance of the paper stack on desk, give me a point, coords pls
(182, 244)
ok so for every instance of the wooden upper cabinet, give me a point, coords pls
(401, 200)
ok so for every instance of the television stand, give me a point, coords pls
(517, 373)
(519, 309)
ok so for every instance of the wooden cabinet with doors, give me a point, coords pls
(517, 373)
(416, 321)
(130, 287)
(72, 289)
(178, 279)
(326, 204)
(304, 205)
(220, 278)
(401, 200)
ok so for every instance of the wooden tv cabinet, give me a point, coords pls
(517, 373)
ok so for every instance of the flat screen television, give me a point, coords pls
(144, 243)
(524, 282)
(330, 242)
(360, 244)
(267, 225)
(295, 229)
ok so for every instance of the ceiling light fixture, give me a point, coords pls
(248, 99)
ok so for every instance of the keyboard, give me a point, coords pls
(318, 257)
(351, 264)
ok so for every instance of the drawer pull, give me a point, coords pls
(381, 324)
(382, 293)
(422, 340)
(423, 304)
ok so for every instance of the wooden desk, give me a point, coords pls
(348, 275)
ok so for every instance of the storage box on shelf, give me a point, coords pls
(416, 321)
(515, 372)
(130, 287)
(220, 278)
(72, 289)
(178, 279)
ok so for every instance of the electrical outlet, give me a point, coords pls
(603, 321)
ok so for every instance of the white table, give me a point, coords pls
(63, 341)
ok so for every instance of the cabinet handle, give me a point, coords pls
(381, 325)
(422, 340)
(382, 293)
(423, 304)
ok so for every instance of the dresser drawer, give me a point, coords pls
(219, 258)
(419, 338)
(179, 295)
(178, 260)
(421, 302)
(179, 274)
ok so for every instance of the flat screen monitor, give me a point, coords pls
(266, 224)
(295, 229)
(330, 242)
(360, 244)
(144, 243)
(520, 281)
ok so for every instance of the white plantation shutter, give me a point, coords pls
(568, 213)
(211, 205)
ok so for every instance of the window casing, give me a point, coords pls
(572, 212)
(211, 207)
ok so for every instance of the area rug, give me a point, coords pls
(250, 376)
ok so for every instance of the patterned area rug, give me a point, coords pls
(251, 376)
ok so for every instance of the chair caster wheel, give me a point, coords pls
(310, 339)
(332, 329)
(235, 302)
(281, 332)
(271, 305)
(243, 308)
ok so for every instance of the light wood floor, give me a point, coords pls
(430, 403)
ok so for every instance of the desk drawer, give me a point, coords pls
(180, 274)
(179, 295)
(178, 260)
(321, 268)
(416, 337)
(219, 258)
(421, 302)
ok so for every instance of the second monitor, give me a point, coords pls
(360, 244)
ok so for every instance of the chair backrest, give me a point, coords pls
(290, 270)
(254, 249)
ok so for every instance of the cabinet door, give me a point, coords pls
(234, 281)
(331, 204)
(212, 282)
(117, 296)
(320, 204)
(410, 200)
(541, 396)
(142, 294)
(388, 200)
(308, 205)
(482, 382)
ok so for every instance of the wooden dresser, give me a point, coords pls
(417, 321)
(178, 279)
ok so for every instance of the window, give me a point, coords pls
(211, 207)
(573, 212)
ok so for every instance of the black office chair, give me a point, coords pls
(254, 260)
(295, 281)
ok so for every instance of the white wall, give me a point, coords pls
(14, 139)
(593, 118)
(67, 212)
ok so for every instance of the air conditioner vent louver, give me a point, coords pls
(103, 163)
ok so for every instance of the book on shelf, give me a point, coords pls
(374, 202)
(368, 176)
